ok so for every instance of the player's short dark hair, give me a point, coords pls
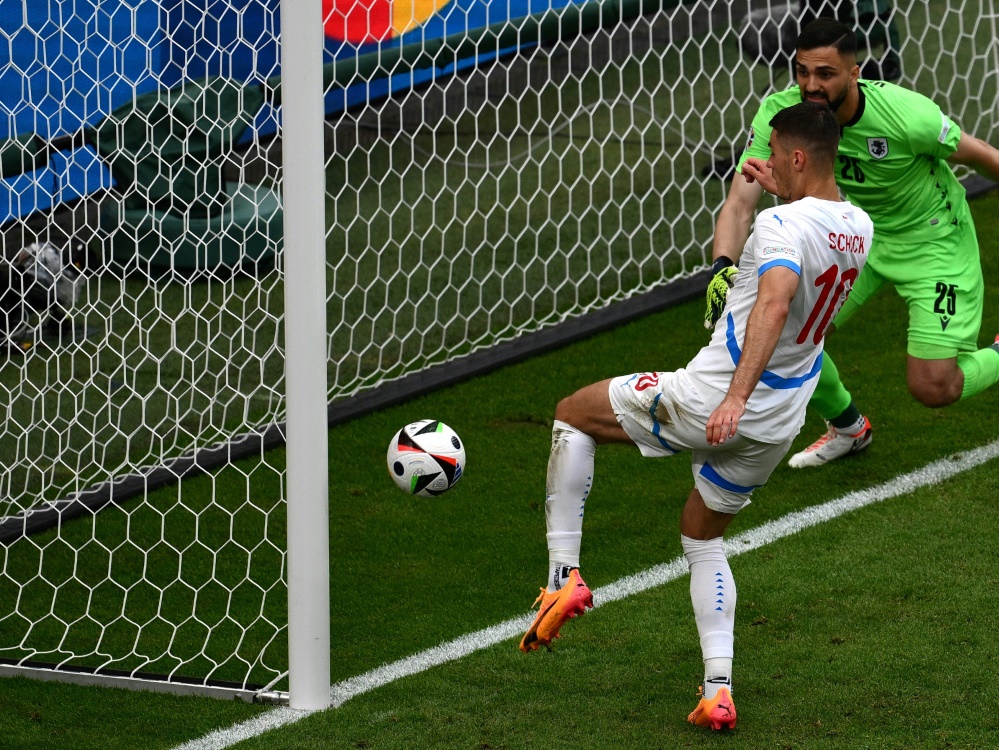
(811, 126)
(828, 32)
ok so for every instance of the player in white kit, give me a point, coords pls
(737, 405)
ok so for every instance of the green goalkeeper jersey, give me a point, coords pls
(891, 160)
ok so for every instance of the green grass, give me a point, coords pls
(875, 627)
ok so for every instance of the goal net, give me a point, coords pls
(494, 171)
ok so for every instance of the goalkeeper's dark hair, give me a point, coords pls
(812, 126)
(828, 32)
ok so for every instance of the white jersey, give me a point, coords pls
(826, 244)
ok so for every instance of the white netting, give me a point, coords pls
(481, 205)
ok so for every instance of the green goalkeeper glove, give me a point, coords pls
(723, 275)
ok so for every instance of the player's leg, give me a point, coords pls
(980, 369)
(723, 482)
(712, 590)
(945, 316)
(941, 382)
(629, 409)
(582, 421)
(589, 410)
(848, 431)
(934, 382)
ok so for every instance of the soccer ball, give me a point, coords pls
(426, 458)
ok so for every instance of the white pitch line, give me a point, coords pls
(658, 575)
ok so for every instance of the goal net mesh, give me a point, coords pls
(468, 203)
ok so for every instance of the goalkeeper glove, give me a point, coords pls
(723, 274)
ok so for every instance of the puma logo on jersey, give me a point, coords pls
(847, 243)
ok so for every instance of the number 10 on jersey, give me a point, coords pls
(833, 284)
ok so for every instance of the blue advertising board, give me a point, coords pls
(72, 62)
(64, 64)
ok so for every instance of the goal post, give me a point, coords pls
(305, 336)
(188, 280)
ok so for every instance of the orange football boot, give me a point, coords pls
(556, 609)
(717, 713)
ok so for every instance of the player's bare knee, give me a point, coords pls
(935, 382)
(575, 410)
(565, 411)
(935, 394)
(698, 521)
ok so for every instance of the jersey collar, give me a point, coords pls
(861, 104)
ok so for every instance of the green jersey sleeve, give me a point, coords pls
(931, 132)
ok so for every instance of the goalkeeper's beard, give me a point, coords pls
(833, 104)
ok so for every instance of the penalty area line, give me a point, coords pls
(929, 475)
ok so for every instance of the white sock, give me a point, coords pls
(570, 474)
(712, 594)
(852, 429)
(558, 574)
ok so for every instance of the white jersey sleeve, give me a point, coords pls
(826, 244)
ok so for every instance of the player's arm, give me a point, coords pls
(731, 232)
(777, 287)
(735, 219)
(975, 153)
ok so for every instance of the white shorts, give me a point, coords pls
(665, 415)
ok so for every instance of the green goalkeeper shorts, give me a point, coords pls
(941, 283)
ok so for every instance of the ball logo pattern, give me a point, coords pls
(426, 458)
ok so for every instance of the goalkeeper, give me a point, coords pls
(894, 161)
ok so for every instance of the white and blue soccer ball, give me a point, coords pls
(426, 458)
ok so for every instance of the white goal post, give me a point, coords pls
(305, 346)
(184, 283)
